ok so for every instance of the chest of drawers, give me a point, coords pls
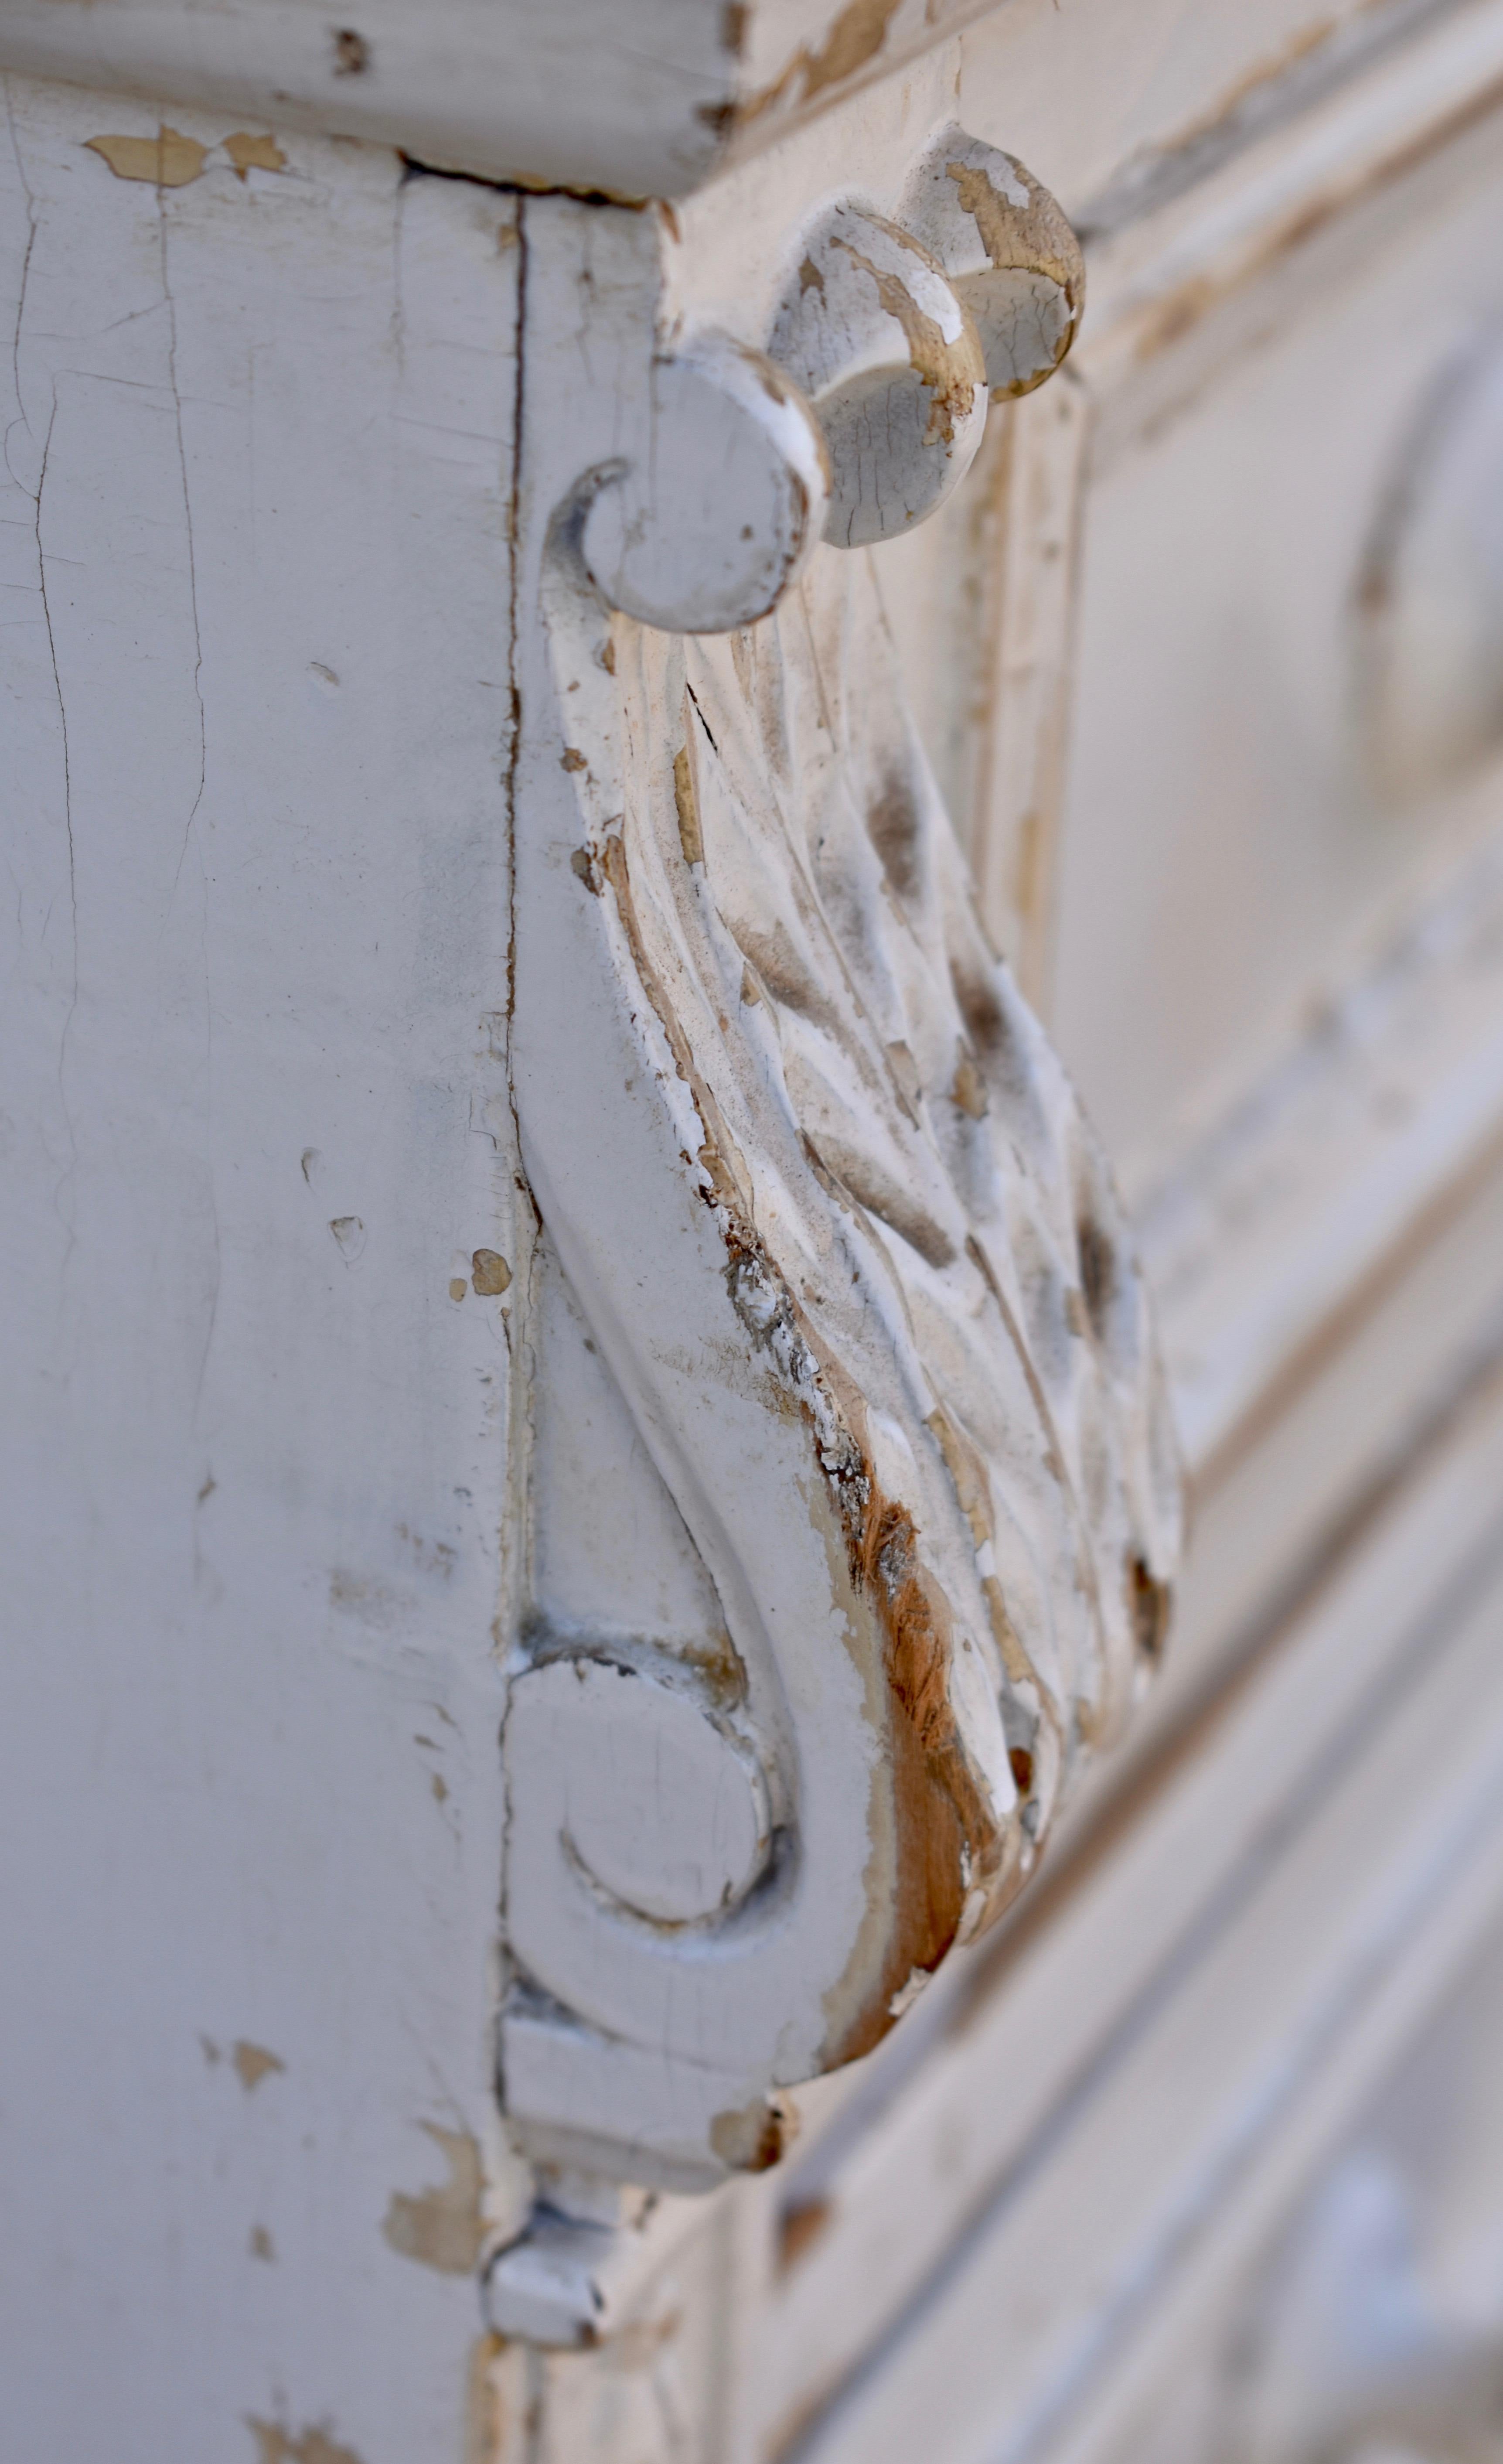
(630, 652)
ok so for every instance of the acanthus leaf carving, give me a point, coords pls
(863, 1323)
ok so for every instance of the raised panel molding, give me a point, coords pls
(853, 1500)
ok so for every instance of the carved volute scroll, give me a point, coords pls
(892, 365)
(853, 1504)
(1011, 256)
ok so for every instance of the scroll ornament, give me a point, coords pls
(853, 1498)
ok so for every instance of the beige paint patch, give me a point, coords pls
(491, 1275)
(253, 2063)
(851, 41)
(250, 153)
(316, 2446)
(690, 836)
(169, 159)
(443, 2227)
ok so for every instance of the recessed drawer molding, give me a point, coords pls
(1430, 593)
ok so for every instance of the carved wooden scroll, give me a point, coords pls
(853, 1500)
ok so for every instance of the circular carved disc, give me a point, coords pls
(707, 528)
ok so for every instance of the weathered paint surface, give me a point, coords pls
(891, 363)
(252, 1452)
(841, 1243)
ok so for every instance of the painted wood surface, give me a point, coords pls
(265, 1494)
(1335, 1409)
(568, 94)
(1251, 2033)
(258, 1154)
(852, 1261)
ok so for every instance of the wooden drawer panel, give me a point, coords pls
(995, 2241)
(1261, 358)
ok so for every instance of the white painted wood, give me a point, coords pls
(1166, 270)
(574, 94)
(265, 393)
(1352, 2350)
(489, 86)
(1013, 259)
(1052, 2280)
(1217, 777)
(1425, 1970)
(1012, 2058)
(256, 1129)
(893, 368)
(1332, 1455)
(846, 2315)
(1013, 798)
(1431, 591)
(663, 1811)
(843, 1243)
(722, 508)
(1307, 1192)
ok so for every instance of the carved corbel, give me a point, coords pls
(853, 1503)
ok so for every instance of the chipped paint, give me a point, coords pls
(253, 2063)
(786, 971)
(443, 2227)
(1027, 235)
(250, 153)
(892, 366)
(854, 42)
(317, 2445)
(352, 53)
(799, 2228)
(949, 371)
(490, 1274)
(169, 159)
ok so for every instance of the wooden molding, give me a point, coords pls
(555, 97)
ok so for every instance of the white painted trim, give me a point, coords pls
(1362, 1777)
